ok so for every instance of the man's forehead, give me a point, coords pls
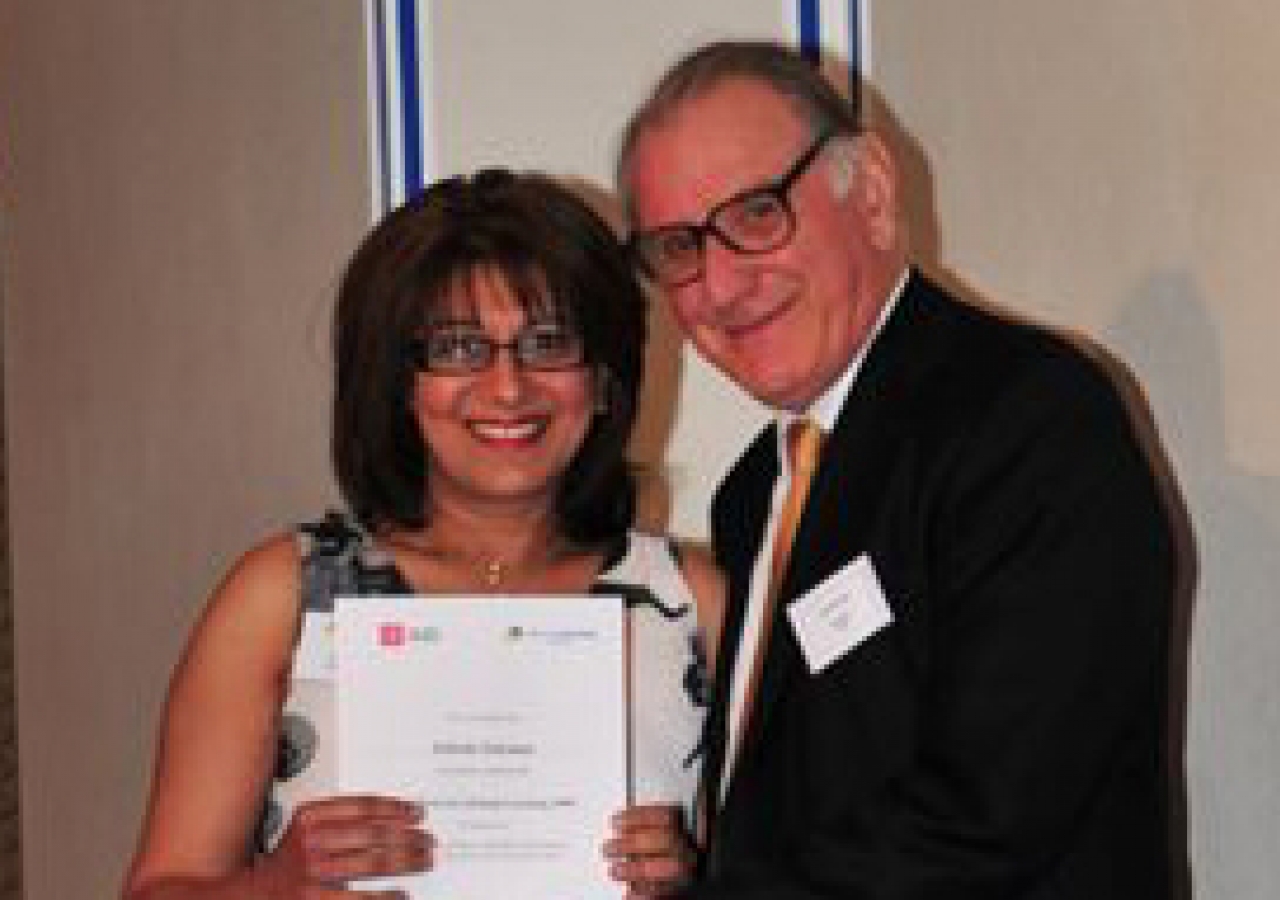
(734, 118)
(687, 165)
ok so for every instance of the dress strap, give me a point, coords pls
(339, 560)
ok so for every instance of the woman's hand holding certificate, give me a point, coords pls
(650, 851)
(338, 839)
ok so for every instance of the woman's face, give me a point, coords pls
(501, 424)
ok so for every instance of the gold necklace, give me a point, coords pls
(492, 571)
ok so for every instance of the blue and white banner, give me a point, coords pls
(401, 129)
(399, 80)
(837, 29)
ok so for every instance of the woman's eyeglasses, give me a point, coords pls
(467, 351)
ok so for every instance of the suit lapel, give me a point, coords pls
(861, 458)
(853, 476)
(739, 515)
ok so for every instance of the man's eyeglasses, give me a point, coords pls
(452, 350)
(754, 221)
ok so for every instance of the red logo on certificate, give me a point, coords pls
(391, 634)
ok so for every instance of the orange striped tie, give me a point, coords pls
(804, 443)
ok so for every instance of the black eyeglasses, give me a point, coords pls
(756, 220)
(456, 350)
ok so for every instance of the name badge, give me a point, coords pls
(840, 613)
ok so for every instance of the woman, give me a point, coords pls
(489, 340)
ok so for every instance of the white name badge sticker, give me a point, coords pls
(844, 610)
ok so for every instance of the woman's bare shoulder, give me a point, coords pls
(256, 605)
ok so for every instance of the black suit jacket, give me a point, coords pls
(1001, 738)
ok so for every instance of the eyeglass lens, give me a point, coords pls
(755, 221)
(461, 351)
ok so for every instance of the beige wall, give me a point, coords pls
(181, 181)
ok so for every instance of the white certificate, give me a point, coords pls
(506, 716)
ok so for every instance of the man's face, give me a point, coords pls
(783, 324)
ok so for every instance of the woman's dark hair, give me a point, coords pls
(559, 256)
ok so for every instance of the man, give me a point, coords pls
(955, 686)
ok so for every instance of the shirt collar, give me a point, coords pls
(826, 408)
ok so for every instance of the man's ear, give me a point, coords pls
(841, 167)
(873, 184)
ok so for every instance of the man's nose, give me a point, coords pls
(725, 273)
